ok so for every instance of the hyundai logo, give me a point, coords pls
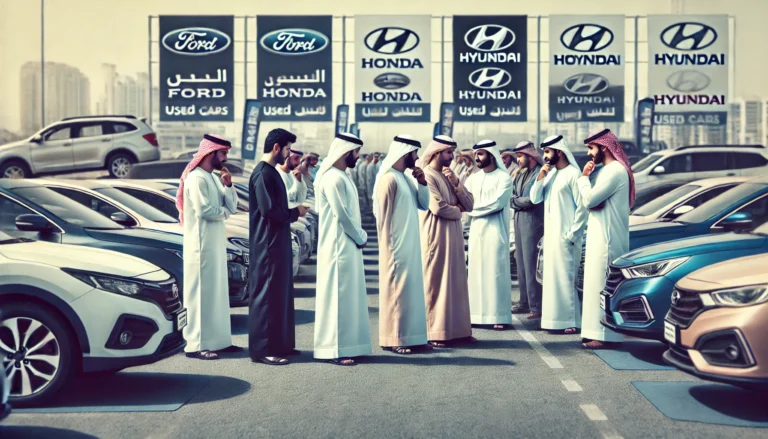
(586, 84)
(675, 297)
(294, 41)
(586, 37)
(688, 81)
(391, 81)
(391, 40)
(174, 291)
(490, 78)
(489, 37)
(688, 36)
(196, 41)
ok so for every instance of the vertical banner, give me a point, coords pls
(586, 68)
(393, 68)
(251, 121)
(447, 115)
(436, 129)
(490, 67)
(295, 67)
(688, 69)
(197, 74)
(342, 116)
(353, 129)
(644, 124)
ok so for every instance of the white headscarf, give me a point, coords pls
(558, 142)
(491, 147)
(400, 146)
(342, 144)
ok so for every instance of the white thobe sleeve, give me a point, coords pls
(537, 190)
(582, 213)
(605, 186)
(422, 196)
(196, 193)
(336, 194)
(297, 192)
(494, 203)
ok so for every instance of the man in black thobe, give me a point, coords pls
(271, 327)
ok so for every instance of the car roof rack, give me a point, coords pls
(101, 116)
(719, 146)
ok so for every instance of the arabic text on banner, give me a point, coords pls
(447, 116)
(586, 68)
(490, 70)
(644, 124)
(251, 121)
(688, 59)
(294, 71)
(197, 74)
(393, 68)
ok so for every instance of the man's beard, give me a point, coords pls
(484, 162)
(351, 161)
(410, 162)
(291, 165)
(600, 157)
(555, 158)
(216, 163)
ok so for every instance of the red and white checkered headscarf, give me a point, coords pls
(609, 140)
(208, 145)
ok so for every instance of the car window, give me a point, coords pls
(665, 199)
(678, 164)
(119, 127)
(91, 130)
(9, 210)
(137, 205)
(745, 160)
(88, 200)
(62, 133)
(703, 197)
(159, 202)
(66, 209)
(646, 163)
(649, 194)
(758, 209)
(709, 161)
(721, 203)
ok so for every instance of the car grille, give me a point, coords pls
(171, 342)
(613, 280)
(680, 354)
(166, 294)
(580, 275)
(634, 311)
(540, 263)
(688, 306)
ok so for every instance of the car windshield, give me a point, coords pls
(720, 203)
(646, 163)
(67, 209)
(669, 197)
(136, 205)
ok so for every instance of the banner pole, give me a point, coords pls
(442, 58)
(344, 60)
(149, 67)
(538, 81)
(637, 68)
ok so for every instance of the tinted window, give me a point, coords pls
(721, 203)
(91, 130)
(87, 200)
(646, 163)
(758, 209)
(744, 160)
(709, 161)
(678, 164)
(159, 202)
(61, 133)
(66, 209)
(649, 194)
(9, 210)
(665, 199)
(138, 206)
(119, 127)
(702, 198)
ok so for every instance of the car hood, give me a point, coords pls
(656, 228)
(691, 247)
(79, 257)
(13, 145)
(149, 238)
(734, 273)
(635, 220)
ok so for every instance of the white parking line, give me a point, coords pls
(545, 355)
(593, 412)
(572, 386)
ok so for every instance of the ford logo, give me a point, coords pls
(294, 41)
(489, 37)
(391, 40)
(196, 41)
(586, 38)
(586, 84)
(688, 36)
(490, 78)
(391, 81)
(688, 81)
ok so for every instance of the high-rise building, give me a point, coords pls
(67, 94)
(132, 95)
(734, 123)
(107, 98)
(752, 122)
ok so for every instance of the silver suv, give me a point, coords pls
(113, 143)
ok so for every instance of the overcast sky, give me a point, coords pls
(86, 33)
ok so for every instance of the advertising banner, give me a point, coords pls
(197, 77)
(251, 121)
(294, 72)
(644, 124)
(586, 68)
(490, 68)
(353, 129)
(688, 59)
(447, 116)
(393, 68)
(342, 116)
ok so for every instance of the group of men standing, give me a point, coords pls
(430, 292)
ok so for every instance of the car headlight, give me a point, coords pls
(178, 253)
(653, 269)
(742, 296)
(108, 283)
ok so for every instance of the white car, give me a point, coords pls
(69, 309)
(683, 199)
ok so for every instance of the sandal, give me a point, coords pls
(203, 355)
(500, 327)
(519, 309)
(272, 361)
(399, 350)
(571, 331)
(596, 344)
(341, 362)
(534, 316)
(438, 344)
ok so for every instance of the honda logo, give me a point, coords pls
(675, 297)
(688, 36)
(586, 84)
(490, 78)
(391, 40)
(586, 37)
(489, 38)
(688, 81)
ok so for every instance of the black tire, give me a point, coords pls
(65, 345)
(117, 163)
(17, 167)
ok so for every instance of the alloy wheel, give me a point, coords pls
(121, 167)
(13, 172)
(30, 353)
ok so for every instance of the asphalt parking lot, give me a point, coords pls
(515, 383)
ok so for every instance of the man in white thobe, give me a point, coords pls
(397, 198)
(564, 219)
(490, 284)
(609, 203)
(342, 325)
(295, 187)
(204, 202)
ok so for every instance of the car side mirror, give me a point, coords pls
(681, 210)
(37, 138)
(122, 219)
(738, 221)
(659, 170)
(32, 222)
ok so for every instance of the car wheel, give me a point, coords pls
(38, 353)
(119, 165)
(15, 169)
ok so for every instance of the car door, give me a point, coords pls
(679, 166)
(91, 144)
(712, 164)
(749, 163)
(54, 152)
